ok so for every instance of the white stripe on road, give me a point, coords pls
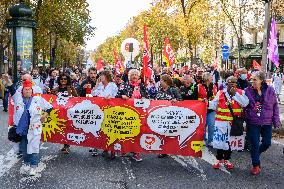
(41, 167)
(8, 161)
(191, 161)
(43, 147)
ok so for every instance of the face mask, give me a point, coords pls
(243, 76)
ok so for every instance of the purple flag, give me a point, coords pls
(273, 47)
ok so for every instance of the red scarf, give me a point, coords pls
(136, 92)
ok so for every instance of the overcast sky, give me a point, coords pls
(110, 16)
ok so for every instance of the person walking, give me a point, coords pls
(236, 99)
(206, 92)
(133, 89)
(261, 114)
(277, 80)
(107, 89)
(167, 91)
(29, 113)
(65, 88)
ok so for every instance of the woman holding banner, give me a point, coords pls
(133, 89)
(65, 89)
(261, 113)
(28, 120)
(107, 89)
(167, 92)
(206, 92)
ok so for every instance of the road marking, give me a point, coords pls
(207, 156)
(43, 147)
(185, 161)
(8, 161)
(41, 167)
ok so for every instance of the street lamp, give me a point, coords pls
(22, 26)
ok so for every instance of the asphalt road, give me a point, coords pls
(80, 170)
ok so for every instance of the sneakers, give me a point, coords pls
(228, 164)
(137, 157)
(32, 172)
(217, 165)
(255, 170)
(25, 169)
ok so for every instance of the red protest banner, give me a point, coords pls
(136, 125)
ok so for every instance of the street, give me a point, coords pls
(80, 170)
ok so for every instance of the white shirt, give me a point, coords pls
(102, 91)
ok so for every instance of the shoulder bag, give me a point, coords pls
(237, 128)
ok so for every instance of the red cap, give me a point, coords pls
(27, 84)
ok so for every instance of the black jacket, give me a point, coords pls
(82, 90)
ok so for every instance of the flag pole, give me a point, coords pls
(265, 36)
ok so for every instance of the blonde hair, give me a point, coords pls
(206, 76)
(133, 71)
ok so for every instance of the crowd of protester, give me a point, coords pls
(245, 91)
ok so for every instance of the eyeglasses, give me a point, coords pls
(64, 78)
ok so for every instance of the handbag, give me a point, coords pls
(237, 128)
(13, 136)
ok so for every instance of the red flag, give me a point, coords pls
(99, 65)
(119, 67)
(168, 55)
(147, 71)
(255, 65)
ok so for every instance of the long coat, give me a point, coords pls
(38, 104)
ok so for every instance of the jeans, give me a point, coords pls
(5, 100)
(29, 159)
(255, 131)
(210, 123)
(247, 140)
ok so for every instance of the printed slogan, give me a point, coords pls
(135, 125)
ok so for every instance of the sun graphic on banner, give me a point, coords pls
(52, 125)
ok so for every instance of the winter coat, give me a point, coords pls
(38, 104)
(270, 111)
